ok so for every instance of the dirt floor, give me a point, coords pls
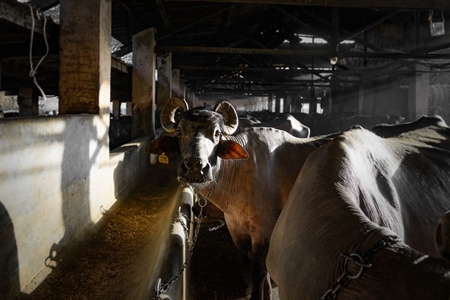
(114, 261)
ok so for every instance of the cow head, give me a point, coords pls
(198, 138)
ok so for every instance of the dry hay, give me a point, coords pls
(105, 264)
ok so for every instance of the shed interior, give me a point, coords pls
(61, 170)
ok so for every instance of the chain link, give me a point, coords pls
(161, 289)
(214, 228)
(361, 261)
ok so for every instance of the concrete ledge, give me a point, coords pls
(172, 273)
(57, 178)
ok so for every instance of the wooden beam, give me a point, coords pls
(20, 14)
(171, 31)
(250, 69)
(162, 12)
(43, 4)
(373, 24)
(325, 53)
(404, 4)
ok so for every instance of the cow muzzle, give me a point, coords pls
(195, 170)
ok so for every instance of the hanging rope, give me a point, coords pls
(33, 70)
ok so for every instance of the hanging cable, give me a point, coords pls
(33, 70)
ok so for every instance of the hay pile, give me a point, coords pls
(105, 264)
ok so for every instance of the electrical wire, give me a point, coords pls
(33, 71)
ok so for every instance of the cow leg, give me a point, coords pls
(261, 289)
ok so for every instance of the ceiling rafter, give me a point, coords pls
(163, 13)
(286, 52)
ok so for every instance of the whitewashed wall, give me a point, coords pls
(56, 177)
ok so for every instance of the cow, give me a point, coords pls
(369, 121)
(351, 197)
(247, 175)
(442, 235)
(119, 132)
(285, 122)
(390, 130)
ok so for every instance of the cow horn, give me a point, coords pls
(168, 113)
(230, 115)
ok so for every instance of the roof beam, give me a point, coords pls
(405, 4)
(19, 17)
(250, 69)
(163, 13)
(325, 53)
(43, 4)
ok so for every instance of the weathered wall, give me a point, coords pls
(56, 178)
(8, 101)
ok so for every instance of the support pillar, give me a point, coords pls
(188, 97)
(128, 108)
(418, 93)
(182, 90)
(277, 104)
(366, 98)
(271, 107)
(176, 88)
(312, 100)
(116, 109)
(85, 57)
(164, 85)
(25, 101)
(143, 84)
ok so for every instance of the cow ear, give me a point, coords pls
(166, 144)
(231, 150)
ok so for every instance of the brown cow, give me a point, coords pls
(247, 175)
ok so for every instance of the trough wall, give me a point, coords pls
(57, 178)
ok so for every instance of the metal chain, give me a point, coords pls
(361, 261)
(179, 218)
(162, 289)
(214, 228)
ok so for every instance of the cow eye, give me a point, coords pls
(179, 132)
(217, 133)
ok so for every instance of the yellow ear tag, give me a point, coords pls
(163, 158)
